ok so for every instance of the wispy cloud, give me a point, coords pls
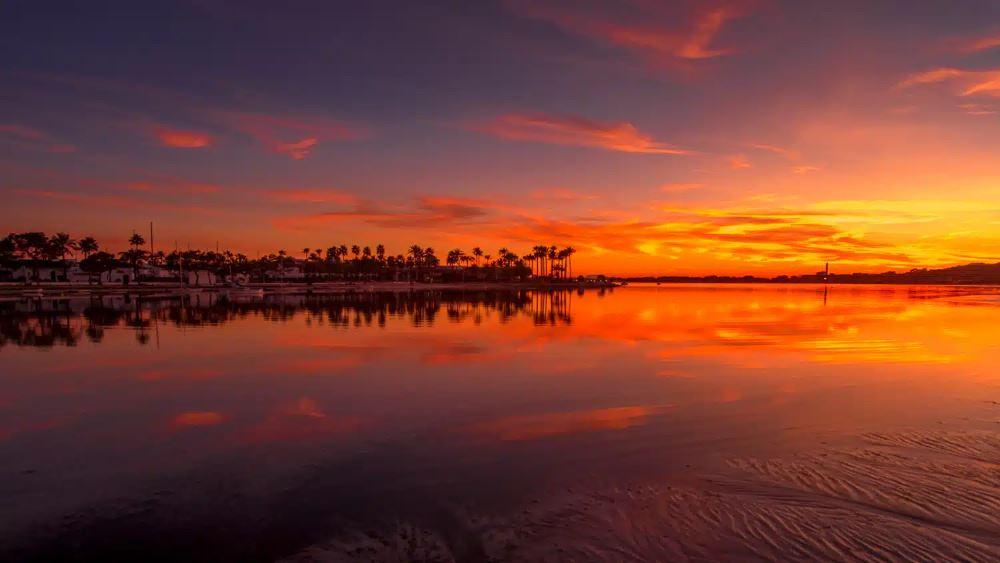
(966, 82)
(739, 162)
(674, 188)
(574, 131)
(562, 194)
(428, 212)
(774, 149)
(657, 32)
(312, 196)
(29, 137)
(295, 137)
(977, 44)
(182, 139)
(102, 201)
(805, 169)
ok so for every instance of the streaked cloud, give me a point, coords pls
(966, 82)
(574, 131)
(428, 211)
(774, 149)
(805, 169)
(659, 33)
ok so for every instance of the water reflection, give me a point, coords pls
(309, 410)
(65, 321)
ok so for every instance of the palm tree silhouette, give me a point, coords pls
(88, 246)
(477, 252)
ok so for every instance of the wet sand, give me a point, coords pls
(914, 496)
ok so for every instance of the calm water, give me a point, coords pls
(472, 425)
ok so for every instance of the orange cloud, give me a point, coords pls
(574, 131)
(657, 32)
(739, 162)
(182, 139)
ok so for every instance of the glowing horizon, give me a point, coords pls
(677, 138)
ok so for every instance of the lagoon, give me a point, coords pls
(634, 423)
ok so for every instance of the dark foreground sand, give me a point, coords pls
(920, 496)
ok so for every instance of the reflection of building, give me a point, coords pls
(32, 321)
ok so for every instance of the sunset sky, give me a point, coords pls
(666, 137)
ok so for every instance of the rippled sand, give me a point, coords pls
(918, 496)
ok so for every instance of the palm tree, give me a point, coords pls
(356, 251)
(380, 253)
(62, 244)
(477, 252)
(501, 254)
(88, 246)
(305, 252)
(570, 251)
(540, 252)
(136, 240)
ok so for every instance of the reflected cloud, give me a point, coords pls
(533, 427)
(300, 420)
(197, 418)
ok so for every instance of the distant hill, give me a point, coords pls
(969, 274)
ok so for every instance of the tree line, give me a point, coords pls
(35, 249)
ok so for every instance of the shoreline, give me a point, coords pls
(161, 289)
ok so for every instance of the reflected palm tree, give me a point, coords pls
(46, 323)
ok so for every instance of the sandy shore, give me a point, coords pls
(911, 496)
